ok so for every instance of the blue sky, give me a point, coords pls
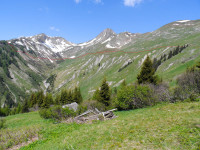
(81, 20)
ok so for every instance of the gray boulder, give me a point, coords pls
(73, 106)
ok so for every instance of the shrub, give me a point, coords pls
(135, 96)
(2, 123)
(92, 104)
(66, 112)
(56, 113)
(187, 84)
(45, 113)
(161, 92)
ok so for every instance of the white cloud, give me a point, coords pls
(96, 1)
(54, 28)
(132, 3)
(77, 1)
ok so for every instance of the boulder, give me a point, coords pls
(72, 106)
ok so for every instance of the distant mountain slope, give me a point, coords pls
(18, 77)
(45, 56)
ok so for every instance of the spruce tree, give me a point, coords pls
(147, 73)
(63, 97)
(40, 98)
(96, 95)
(104, 93)
(77, 97)
(19, 109)
(25, 106)
(69, 97)
(58, 100)
(33, 99)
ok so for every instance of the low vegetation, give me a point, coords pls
(170, 124)
(164, 126)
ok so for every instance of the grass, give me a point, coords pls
(165, 126)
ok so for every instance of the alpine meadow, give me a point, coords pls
(120, 90)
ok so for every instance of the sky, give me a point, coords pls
(81, 20)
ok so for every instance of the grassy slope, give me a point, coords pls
(165, 126)
(168, 35)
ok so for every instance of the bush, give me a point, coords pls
(2, 123)
(187, 84)
(45, 113)
(161, 92)
(56, 113)
(135, 96)
(66, 112)
(92, 104)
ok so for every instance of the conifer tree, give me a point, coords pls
(33, 100)
(25, 106)
(170, 55)
(77, 97)
(104, 93)
(58, 99)
(63, 97)
(147, 73)
(40, 98)
(69, 97)
(96, 95)
(19, 109)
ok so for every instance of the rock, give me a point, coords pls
(73, 106)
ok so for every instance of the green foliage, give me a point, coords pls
(104, 93)
(2, 123)
(92, 104)
(5, 111)
(40, 97)
(66, 113)
(25, 107)
(56, 113)
(147, 73)
(77, 97)
(96, 95)
(51, 81)
(165, 126)
(8, 55)
(134, 96)
(48, 100)
(187, 84)
(36, 79)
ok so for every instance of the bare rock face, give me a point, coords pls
(72, 106)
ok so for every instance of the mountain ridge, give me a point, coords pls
(88, 71)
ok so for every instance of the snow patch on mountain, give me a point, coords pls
(182, 21)
(109, 46)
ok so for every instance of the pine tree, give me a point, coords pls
(25, 106)
(96, 95)
(33, 99)
(58, 99)
(104, 93)
(170, 55)
(147, 73)
(40, 98)
(77, 97)
(19, 109)
(63, 97)
(69, 97)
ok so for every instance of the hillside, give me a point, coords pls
(88, 71)
(165, 126)
(116, 56)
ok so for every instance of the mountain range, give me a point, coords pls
(53, 63)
